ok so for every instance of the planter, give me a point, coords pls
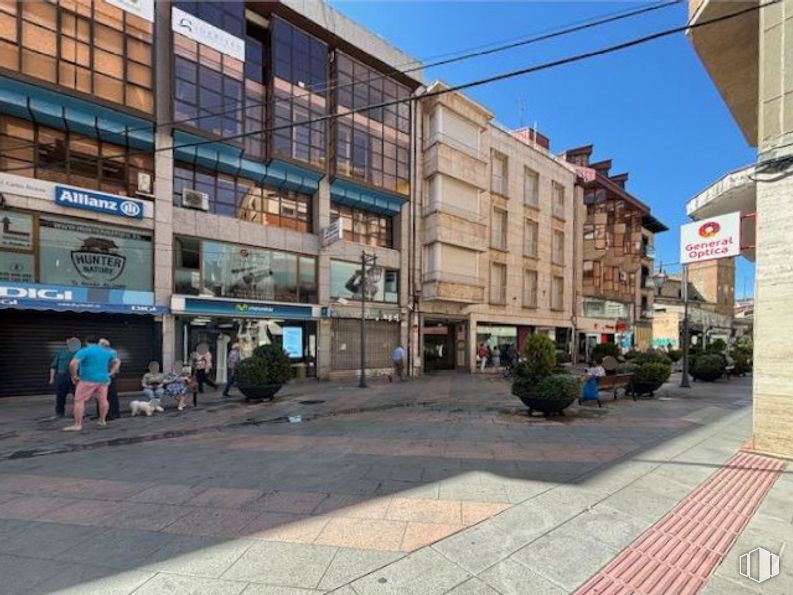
(264, 392)
(708, 376)
(645, 388)
(547, 406)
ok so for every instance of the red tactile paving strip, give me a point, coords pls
(677, 554)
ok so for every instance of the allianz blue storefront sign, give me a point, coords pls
(211, 307)
(98, 202)
(61, 298)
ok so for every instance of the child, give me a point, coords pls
(176, 384)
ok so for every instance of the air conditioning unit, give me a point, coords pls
(193, 199)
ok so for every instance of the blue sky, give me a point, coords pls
(652, 109)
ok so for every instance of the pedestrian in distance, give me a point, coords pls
(204, 367)
(231, 365)
(153, 382)
(91, 369)
(60, 376)
(398, 357)
(114, 410)
(481, 357)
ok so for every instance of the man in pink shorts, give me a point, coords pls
(91, 369)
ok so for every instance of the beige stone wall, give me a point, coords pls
(469, 226)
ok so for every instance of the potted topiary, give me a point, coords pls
(675, 355)
(535, 382)
(262, 375)
(709, 367)
(602, 350)
(649, 377)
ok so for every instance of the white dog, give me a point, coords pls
(147, 407)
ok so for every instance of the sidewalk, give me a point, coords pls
(437, 485)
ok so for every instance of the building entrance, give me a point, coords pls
(444, 345)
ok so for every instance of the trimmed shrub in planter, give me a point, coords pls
(633, 353)
(263, 374)
(743, 363)
(718, 346)
(675, 355)
(652, 357)
(708, 367)
(562, 357)
(649, 377)
(629, 367)
(601, 350)
(535, 383)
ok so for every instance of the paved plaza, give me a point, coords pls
(436, 485)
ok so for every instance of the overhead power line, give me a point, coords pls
(414, 65)
(452, 89)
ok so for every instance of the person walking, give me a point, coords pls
(204, 367)
(114, 409)
(231, 365)
(59, 374)
(91, 369)
(481, 357)
(398, 357)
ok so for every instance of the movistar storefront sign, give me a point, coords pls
(98, 202)
(225, 307)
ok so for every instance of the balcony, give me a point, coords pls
(453, 287)
(648, 251)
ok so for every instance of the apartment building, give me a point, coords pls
(618, 230)
(166, 174)
(748, 57)
(495, 250)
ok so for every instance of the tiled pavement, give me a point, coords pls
(432, 486)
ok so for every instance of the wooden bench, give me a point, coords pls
(616, 382)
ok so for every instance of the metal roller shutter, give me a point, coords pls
(28, 341)
(381, 339)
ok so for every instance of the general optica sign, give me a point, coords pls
(709, 239)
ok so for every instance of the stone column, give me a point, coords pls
(773, 328)
(324, 327)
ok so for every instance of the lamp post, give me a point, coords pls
(366, 259)
(684, 380)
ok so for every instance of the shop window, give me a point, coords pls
(34, 150)
(300, 91)
(91, 47)
(382, 285)
(226, 270)
(373, 145)
(364, 227)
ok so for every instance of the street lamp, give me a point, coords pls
(684, 380)
(366, 259)
(659, 278)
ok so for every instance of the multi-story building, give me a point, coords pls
(166, 172)
(710, 305)
(494, 240)
(749, 59)
(616, 287)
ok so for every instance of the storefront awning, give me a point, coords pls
(57, 298)
(354, 195)
(229, 159)
(64, 112)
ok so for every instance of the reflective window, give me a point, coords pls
(241, 272)
(382, 285)
(557, 293)
(29, 149)
(364, 227)
(245, 199)
(92, 47)
(227, 15)
(300, 75)
(498, 283)
(372, 146)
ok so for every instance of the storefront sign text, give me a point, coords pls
(99, 203)
(221, 307)
(142, 8)
(202, 32)
(709, 239)
(31, 296)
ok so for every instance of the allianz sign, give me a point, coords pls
(99, 203)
